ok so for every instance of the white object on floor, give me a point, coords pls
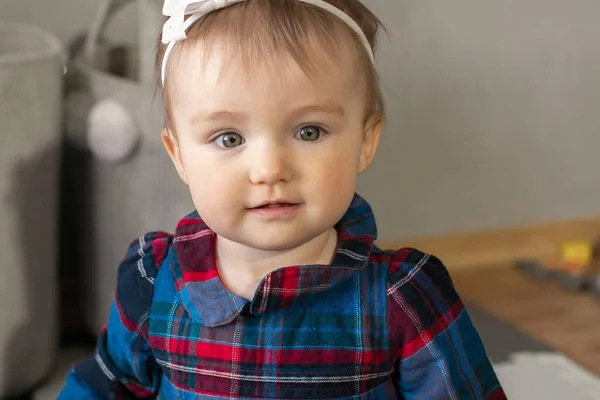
(548, 376)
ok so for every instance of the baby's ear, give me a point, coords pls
(172, 146)
(370, 140)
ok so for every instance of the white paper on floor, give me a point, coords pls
(546, 376)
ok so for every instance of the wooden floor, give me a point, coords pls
(569, 322)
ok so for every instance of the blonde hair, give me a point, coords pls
(260, 31)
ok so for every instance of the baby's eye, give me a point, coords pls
(229, 140)
(310, 133)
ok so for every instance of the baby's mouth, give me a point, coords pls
(275, 205)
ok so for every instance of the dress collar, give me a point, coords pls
(194, 269)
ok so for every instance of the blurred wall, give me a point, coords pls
(494, 115)
(494, 109)
(67, 18)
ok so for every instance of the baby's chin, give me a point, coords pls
(275, 240)
(274, 243)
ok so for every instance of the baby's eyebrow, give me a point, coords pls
(218, 115)
(324, 108)
(241, 117)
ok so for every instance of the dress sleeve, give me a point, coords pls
(123, 366)
(436, 350)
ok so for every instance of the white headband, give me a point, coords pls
(176, 26)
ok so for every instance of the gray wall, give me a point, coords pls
(494, 115)
(66, 18)
(494, 109)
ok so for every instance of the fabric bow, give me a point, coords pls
(175, 28)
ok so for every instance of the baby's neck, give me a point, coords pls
(242, 268)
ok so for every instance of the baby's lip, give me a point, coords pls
(275, 204)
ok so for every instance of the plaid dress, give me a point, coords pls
(372, 325)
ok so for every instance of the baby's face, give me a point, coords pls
(272, 156)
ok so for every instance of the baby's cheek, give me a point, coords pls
(212, 188)
(207, 185)
(335, 181)
(339, 172)
(335, 189)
